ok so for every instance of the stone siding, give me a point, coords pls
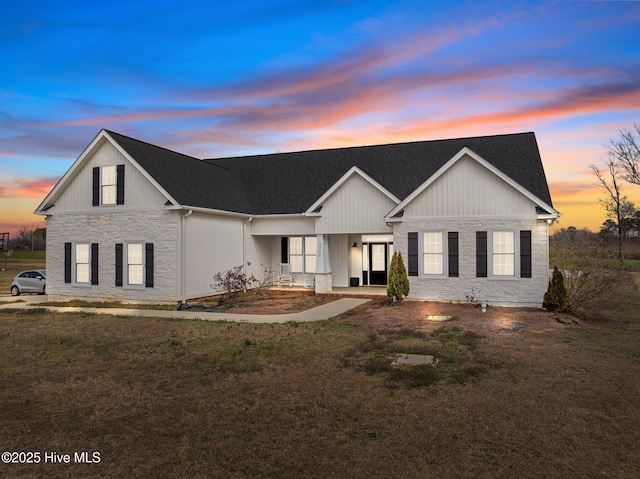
(512, 291)
(107, 229)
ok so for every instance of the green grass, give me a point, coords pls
(455, 350)
(32, 255)
(12, 266)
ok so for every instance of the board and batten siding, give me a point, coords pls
(213, 243)
(139, 191)
(469, 189)
(283, 226)
(356, 206)
(339, 259)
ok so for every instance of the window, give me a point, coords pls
(503, 253)
(82, 263)
(310, 248)
(302, 254)
(135, 266)
(108, 185)
(433, 253)
(295, 255)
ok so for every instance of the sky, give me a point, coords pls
(217, 79)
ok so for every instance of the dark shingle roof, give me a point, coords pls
(285, 183)
(191, 182)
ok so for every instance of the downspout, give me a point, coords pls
(183, 255)
(244, 243)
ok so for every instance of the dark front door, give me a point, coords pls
(378, 263)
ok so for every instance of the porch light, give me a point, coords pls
(355, 244)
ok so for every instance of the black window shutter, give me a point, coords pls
(67, 262)
(119, 261)
(149, 265)
(120, 184)
(412, 256)
(94, 263)
(454, 264)
(525, 254)
(481, 254)
(96, 186)
(284, 250)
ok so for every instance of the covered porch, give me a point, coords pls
(349, 292)
(347, 264)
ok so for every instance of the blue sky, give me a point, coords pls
(216, 79)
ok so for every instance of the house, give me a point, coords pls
(134, 221)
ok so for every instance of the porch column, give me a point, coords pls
(323, 274)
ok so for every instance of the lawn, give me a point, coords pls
(190, 399)
(17, 262)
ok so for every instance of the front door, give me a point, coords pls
(378, 263)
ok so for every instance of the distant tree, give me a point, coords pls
(398, 283)
(555, 299)
(31, 238)
(616, 205)
(572, 235)
(625, 153)
(608, 230)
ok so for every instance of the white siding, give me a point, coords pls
(283, 226)
(139, 192)
(339, 258)
(355, 257)
(469, 189)
(263, 252)
(213, 244)
(356, 207)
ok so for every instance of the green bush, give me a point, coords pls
(398, 284)
(555, 299)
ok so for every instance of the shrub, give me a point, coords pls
(555, 299)
(398, 284)
(595, 294)
(233, 281)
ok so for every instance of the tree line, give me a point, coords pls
(622, 165)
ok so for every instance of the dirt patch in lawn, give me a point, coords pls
(415, 315)
(266, 302)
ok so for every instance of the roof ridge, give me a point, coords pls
(355, 147)
(146, 143)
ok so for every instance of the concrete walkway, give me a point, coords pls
(318, 313)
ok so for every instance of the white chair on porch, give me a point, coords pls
(285, 275)
(309, 280)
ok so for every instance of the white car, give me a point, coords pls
(34, 281)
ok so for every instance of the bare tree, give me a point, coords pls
(625, 153)
(31, 237)
(616, 204)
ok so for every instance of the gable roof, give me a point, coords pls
(190, 181)
(290, 183)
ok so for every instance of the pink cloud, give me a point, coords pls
(36, 188)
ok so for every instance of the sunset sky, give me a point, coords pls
(215, 79)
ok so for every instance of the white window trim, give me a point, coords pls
(302, 255)
(125, 266)
(516, 255)
(113, 185)
(445, 255)
(74, 264)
